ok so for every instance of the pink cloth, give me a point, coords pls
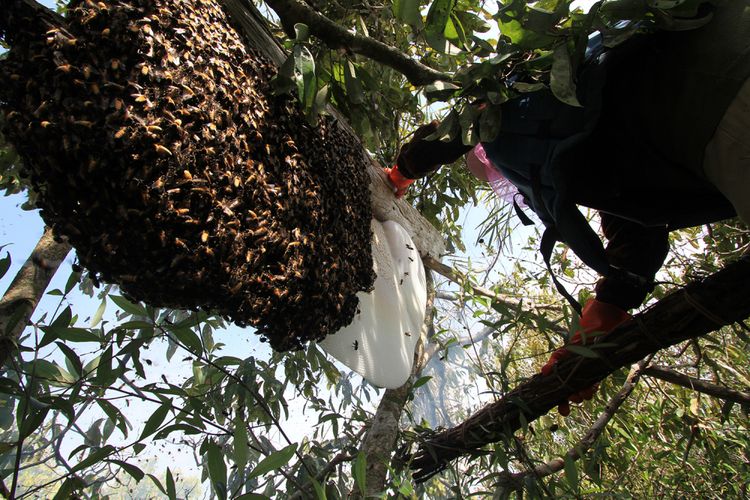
(482, 168)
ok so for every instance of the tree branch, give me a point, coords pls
(27, 289)
(699, 308)
(452, 275)
(696, 384)
(336, 36)
(515, 481)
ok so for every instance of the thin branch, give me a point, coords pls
(452, 275)
(434, 348)
(26, 290)
(696, 384)
(516, 480)
(336, 36)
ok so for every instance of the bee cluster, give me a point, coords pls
(158, 148)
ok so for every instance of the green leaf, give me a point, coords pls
(407, 11)
(274, 461)
(72, 357)
(68, 488)
(440, 90)
(115, 415)
(73, 280)
(105, 375)
(32, 421)
(157, 483)
(436, 23)
(187, 337)
(320, 493)
(561, 77)
(359, 470)
(5, 264)
(217, 469)
(447, 129)
(304, 75)
(43, 369)
(131, 469)
(68, 334)
(523, 38)
(63, 319)
(580, 350)
(155, 420)
(241, 449)
(171, 488)
(421, 381)
(283, 82)
(128, 307)
(94, 457)
(7, 407)
(301, 32)
(571, 472)
(353, 84)
(489, 123)
(97, 317)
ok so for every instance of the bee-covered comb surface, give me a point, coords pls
(159, 150)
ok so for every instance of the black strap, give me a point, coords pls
(525, 220)
(549, 238)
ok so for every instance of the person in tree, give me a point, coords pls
(661, 142)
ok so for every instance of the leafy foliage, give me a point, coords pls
(102, 386)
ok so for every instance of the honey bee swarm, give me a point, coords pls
(157, 147)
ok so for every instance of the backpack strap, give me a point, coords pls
(549, 238)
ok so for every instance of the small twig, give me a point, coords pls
(456, 277)
(696, 384)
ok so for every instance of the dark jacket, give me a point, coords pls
(634, 151)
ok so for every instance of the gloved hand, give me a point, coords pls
(419, 157)
(599, 317)
(412, 162)
(399, 183)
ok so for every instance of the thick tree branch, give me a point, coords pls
(335, 36)
(27, 288)
(516, 480)
(701, 307)
(696, 384)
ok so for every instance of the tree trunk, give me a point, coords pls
(27, 288)
(697, 309)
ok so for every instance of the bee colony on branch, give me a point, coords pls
(158, 148)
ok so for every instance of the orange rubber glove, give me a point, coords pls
(599, 317)
(399, 183)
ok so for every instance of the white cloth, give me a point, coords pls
(379, 343)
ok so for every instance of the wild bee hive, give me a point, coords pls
(158, 148)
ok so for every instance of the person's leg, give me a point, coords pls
(635, 248)
(727, 156)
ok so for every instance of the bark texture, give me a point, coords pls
(697, 309)
(26, 290)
